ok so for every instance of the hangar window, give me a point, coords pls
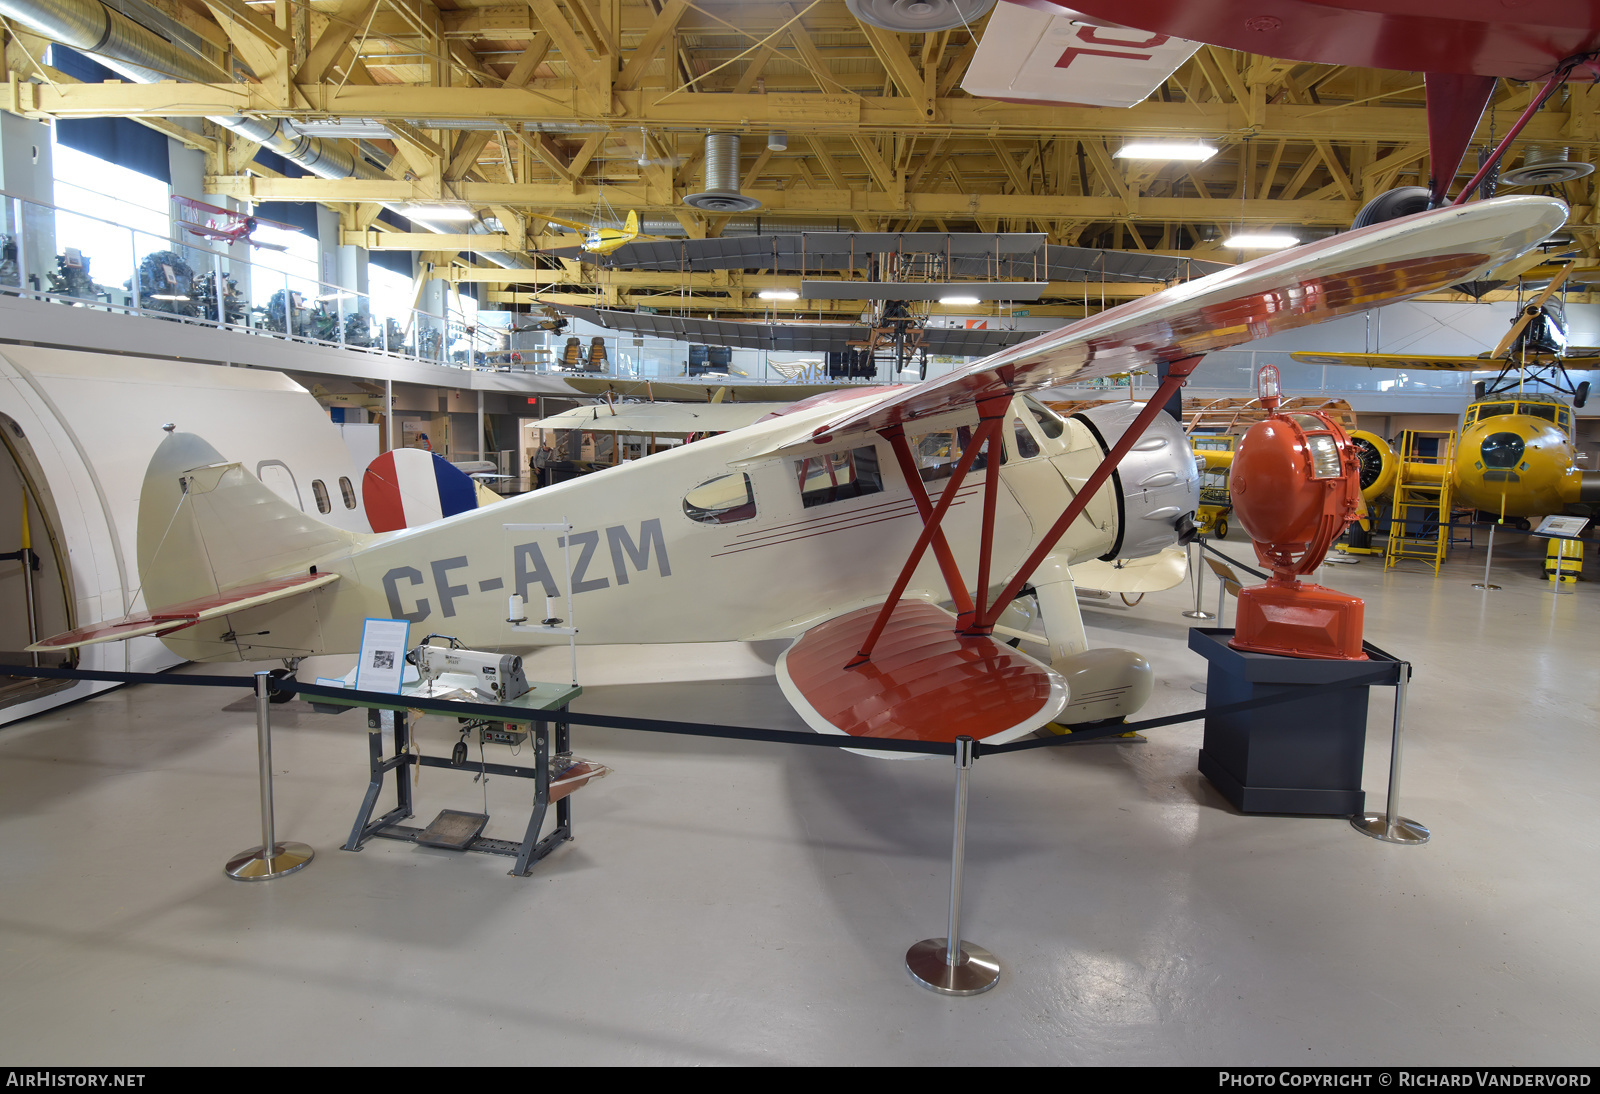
(320, 492)
(838, 475)
(724, 500)
(347, 492)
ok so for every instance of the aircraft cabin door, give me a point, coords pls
(277, 477)
(34, 602)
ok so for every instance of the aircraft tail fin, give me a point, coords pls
(631, 226)
(208, 526)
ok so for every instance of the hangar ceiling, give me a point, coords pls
(589, 108)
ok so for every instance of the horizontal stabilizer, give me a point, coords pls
(175, 617)
(925, 682)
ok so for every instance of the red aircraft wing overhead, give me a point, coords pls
(1520, 39)
(1352, 272)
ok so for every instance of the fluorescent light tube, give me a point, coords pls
(958, 300)
(1259, 241)
(1189, 151)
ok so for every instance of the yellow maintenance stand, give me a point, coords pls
(1419, 528)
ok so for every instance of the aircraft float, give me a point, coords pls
(829, 524)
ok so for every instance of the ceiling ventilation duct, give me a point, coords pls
(1545, 167)
(721, 194)
(919, 16)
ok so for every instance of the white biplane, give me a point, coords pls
(841, 523)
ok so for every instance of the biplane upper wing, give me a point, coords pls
(900, 668)
(1367, 268)
(1401, 360)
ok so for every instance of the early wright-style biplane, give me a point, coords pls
(842, 523)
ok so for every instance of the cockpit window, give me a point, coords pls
(1489, 410)
(1564, 420)
(1538, 410)
(1050, 423)
(725, 500)
(838, 475)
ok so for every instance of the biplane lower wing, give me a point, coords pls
(176, 617)
(1401, 360)
(925, 682)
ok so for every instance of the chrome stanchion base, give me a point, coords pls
(978, 971)
(1198, 615)
(252, 865)
(1377, 826)
(1481, 585)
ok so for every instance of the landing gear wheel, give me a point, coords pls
(274, 693)
(1131, 603)
(1581, 395)
(1222, 529)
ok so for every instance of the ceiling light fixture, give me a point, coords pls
(1259, 241)
(958, 300)
(778, 294)
(440, 212)
(166, 296)
(1188, 151)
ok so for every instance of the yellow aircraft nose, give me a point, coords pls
(1515, 463)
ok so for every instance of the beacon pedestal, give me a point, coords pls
(1300, 756)
(1299, 620)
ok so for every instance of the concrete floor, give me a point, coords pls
(731, 903)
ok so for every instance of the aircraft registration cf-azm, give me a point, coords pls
(842, 523)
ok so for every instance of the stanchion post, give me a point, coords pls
(272, 859)
(1199, 582)
(1389, 825)
(1488, 560)
(951, 965)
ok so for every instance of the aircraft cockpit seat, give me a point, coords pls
(572, 356)
(597, 355)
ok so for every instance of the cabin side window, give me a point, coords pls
(936, 455)
(1027, 447)
(838, 475)
(320, 492)
(347, 491)
(724, 500)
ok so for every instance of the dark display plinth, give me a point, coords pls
(1301, 756)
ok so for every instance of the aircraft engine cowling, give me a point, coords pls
(1379, 465)
(1157, 482)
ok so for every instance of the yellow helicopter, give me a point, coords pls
(1515, 458)
(602, 241)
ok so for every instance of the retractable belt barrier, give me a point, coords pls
(493, 712)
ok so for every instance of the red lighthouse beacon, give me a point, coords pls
(1295, 485)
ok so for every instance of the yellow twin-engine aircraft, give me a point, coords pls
(1515, 457)
(841, 524)
(602, 241)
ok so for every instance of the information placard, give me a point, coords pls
(382, 664)
(1562, 527)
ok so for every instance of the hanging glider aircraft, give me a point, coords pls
(841, 524)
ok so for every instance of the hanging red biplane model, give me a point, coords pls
(226, 225)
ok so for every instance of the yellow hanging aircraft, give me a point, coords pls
(1515, 458)
(602, 241)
